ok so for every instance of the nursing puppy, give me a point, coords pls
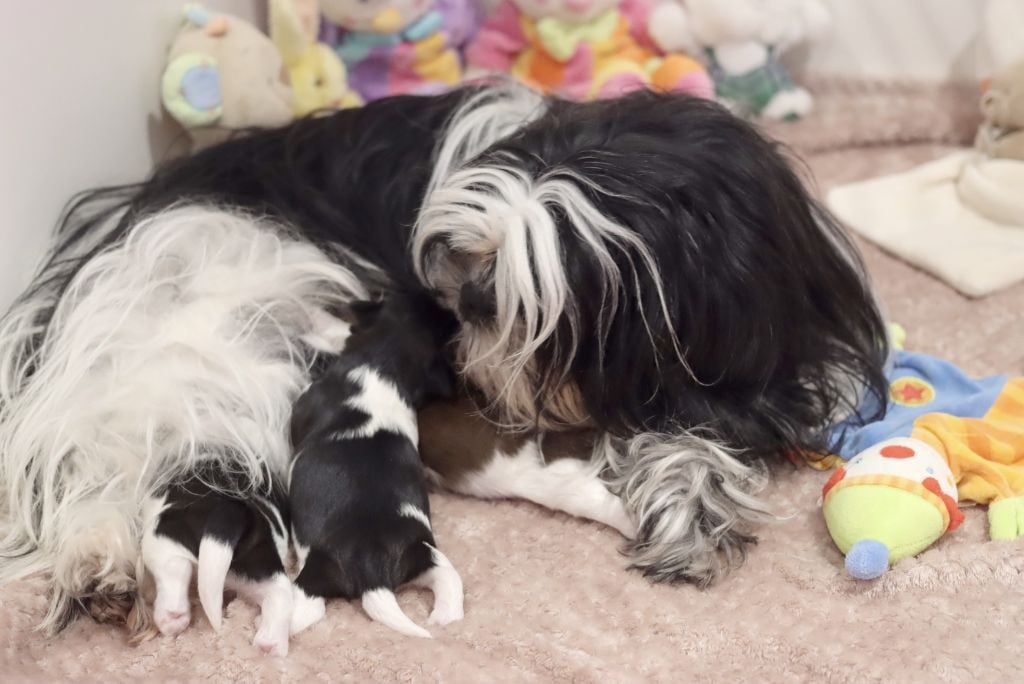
(358, 497)
(241, 544)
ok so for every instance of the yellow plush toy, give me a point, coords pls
(317, 74)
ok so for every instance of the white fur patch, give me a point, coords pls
(382, 606)
(407, 510)
(380, 399)
(444, 582)
(306, 610)
(184, 335)
(274, 597)
(566, 485)
(170, 565)
(214, 562)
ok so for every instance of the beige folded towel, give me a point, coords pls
(960, 218)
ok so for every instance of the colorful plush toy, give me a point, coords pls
(945, 438)
(583, 49)
(316, 73)
(393, 47)
(223, 75)
(741, 42)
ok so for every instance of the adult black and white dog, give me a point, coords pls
(650, 267)
(357, 488)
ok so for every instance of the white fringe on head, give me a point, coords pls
(492, 114)
(499, 214)
(178, 345)
(692, 498)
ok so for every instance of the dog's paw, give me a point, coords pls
(306, 611)
(445, 614)
(271, 639)
(171, 621)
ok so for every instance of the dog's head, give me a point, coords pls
(638, 262)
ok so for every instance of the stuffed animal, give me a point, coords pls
(582, 49)
(741, 42)
(316, 73)
(945, 438)
(1001, 135)
(394, 47)
(223, 75)
(889, 502)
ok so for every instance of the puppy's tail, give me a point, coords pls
(382, 606)
(225, 527)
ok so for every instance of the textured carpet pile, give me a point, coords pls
(547, 598)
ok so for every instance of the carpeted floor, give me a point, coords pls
(547, 598)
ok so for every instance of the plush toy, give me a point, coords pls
(1001, 135)
(316, 73)
(889, 502)
(223, 75)
(392, 47)
(945, 438)
(582, 49)
(741, 42)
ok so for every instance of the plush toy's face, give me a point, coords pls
(226, 73)
(569, 11)
(376, 16)
(318, 81)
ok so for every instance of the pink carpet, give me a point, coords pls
(547, 597)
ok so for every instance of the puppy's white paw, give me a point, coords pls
(271, 642)
(171, 621)
(445, 614)
(306, 610)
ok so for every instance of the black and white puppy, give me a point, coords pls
(238, 543)
(358, 494)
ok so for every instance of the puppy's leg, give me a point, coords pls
(170, 564)
(446, 585)
(311, 586)
(567, 485)
(273, 594)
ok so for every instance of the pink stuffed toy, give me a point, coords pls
(584, 49)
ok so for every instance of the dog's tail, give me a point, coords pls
(224, 529)
(382, 606)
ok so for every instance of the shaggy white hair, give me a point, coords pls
(178, 345)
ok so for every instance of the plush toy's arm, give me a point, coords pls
(669, 28)
(499, 41)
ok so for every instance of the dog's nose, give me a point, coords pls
(476, 304)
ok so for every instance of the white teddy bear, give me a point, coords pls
(741, 42)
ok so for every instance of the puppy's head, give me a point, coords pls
(409, 332)
(642, 261)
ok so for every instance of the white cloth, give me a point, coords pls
(960, 218)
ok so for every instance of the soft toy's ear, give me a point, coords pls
(286, 31)
(190, 89)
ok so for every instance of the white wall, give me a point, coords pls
(906, 39)
(80, 82)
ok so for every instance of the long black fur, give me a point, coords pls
(768, 297)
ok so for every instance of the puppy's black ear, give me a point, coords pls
(440, 381)
(365, 311)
